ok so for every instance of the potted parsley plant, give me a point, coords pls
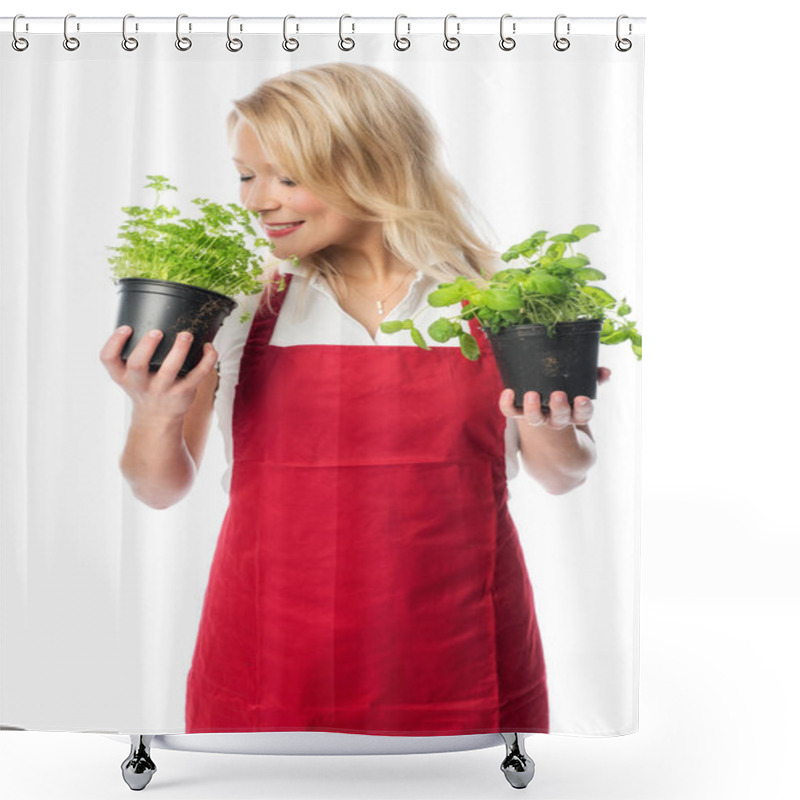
(179, 274)
(544, 320)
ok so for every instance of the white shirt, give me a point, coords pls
(319, 320)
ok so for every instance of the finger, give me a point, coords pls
(174, 360)
(507, 403)
(138, 364)
(582, 410)
(532, 406)
(195, 375)
(603, 374)
(110, 355)
(560, 410)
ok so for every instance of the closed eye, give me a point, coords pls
(284, 181)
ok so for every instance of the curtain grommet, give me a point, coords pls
(451, 42)
(183, 43)
(290, 45)
(561, 43)
(70, 42)
(128, 43)
(623, 45)
(345, 42)
(506, 42)
(401, 42)
(233, 45)
(19, 43)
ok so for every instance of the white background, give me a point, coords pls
(719, 613)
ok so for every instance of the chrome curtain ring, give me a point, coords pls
(346, 43)
(506, 42)
(19, 43)
(129, 43)
(561, 43)
(234, 45)
(70, 42)
(451, 42)
(289, 44)
(623, 45)
(401, 43)
(182, 42)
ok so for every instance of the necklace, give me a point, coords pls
(379, 303)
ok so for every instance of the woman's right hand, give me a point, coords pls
(161, 394)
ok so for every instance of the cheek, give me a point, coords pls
(306, 203)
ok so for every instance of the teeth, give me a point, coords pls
(283, 227)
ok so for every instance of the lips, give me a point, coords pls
(284, 230)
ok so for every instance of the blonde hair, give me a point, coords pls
(362, 142)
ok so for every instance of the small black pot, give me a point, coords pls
(531, 361)
(170, 307)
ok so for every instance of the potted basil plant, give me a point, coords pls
(544, 320)
(178, 274)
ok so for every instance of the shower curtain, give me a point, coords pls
(364, 548)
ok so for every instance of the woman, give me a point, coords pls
(368, 577)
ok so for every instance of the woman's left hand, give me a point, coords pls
(560, 414)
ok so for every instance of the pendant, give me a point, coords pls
(380, 306)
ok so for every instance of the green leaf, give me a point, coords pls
(600, 296)
(505, 275)
(446, 295)
(501, 299)
(589, 274)
(637, 349)
(556, 250)
(392, 326)
(544, 284)
(469, 347)
(564, 237)
(443, 329)
(624, 308)
(574, 262)
(417, 337)
(619, 335)
(582, 231)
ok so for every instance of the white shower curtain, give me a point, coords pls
(102, 595)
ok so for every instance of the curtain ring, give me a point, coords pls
(401, 43)
(129, 43)
(70, 42)
(506, 42)
(234, 45)
(182, 42)
(350, 43)
(561, 43)
(18, 42)
(623, 45)
(294, 43)
(451, 42)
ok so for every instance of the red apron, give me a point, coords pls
(368, 577)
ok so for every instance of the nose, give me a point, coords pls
(257, 196)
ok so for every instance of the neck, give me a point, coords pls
(365, 265)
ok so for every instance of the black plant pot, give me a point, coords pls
(170, 307)
(531, 361)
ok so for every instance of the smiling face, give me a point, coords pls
(279, 200)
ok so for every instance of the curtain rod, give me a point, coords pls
(309, 25)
